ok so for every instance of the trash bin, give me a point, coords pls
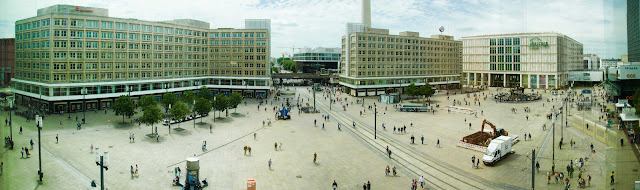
(251, 184)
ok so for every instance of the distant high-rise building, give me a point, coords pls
(65, 50)
(366, 12)
(591, 62)
(633, 30)
(7, 60)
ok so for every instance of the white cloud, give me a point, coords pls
(599, 24)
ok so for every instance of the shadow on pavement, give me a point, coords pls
(238, 115)
(123, 125)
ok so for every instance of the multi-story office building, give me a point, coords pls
(312, 60)
(591, 62)
(375, 62)
(530, 60)
(65, 49)
(633, 30)
(7, 60)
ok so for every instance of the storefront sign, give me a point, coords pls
(83, 10)
(629, 72)
(536, 43)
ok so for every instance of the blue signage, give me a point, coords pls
(586, 91)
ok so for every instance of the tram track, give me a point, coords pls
(438, 174)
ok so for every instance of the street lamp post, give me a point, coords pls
(10, 119)
(214, 108)
(194, 114)
(375, 120)
(553, 158)
(84, 105)
(103, 162)
(39, 126)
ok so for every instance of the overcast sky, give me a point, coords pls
(598, 24)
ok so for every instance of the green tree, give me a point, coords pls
(151, 115)
(274, 70)
(146, 101)
(188, 97)
(412, 90)
(221, 102)
(426, 91)
(204, 93)
(124, 106)
(279, 60)
(179, 110)
(234, 100)
(203, 106)
(636, 101)
(168, 99)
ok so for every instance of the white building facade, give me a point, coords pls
(529, 60)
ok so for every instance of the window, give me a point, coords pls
(500, 50)
(46, 22)
(492, 50)
(77, 23)
(121, 26)
(507, 41)
(76, 34)
(516, 41)
(134, 27)
(107, 35)
(516, 50)
(92, 24)
(516, 58)
(500, 41)
(492, 58)
(492, 42)
(508, 50)
(107, 25)
(508, 58)
(500, 58)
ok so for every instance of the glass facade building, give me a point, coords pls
(529, 60)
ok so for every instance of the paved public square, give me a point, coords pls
(350, 156)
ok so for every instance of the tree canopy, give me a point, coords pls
(168, 99)
(151, 115)
(179, 110)
(204, 93)
(146, 101)
(188, 97)
(203, 106)
(221, 102)
(234, 100)
(124, 106)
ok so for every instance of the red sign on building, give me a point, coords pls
(83, 10)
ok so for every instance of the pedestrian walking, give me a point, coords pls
(548, 177)
(269, 163)
(537, 167)
(133, 137)
(421, 180)
(529, 136)
(473, 161)
(422, 139)
(469, 126)
(438, 143)
(254, 136)
(1, 168)
(56, 138)
(129, 137)
(315, 156)
(394, 129)
(21, 130)
(31, 142)
(612, 180)
(334, 185)
(22, 153)
(157, 138)
(210, 128)
(275, 146)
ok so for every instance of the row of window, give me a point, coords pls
(504, 58)
(504, 41)
(130, 75)
(407, 47)
(405, 66)
(134, 27)
(504, 67)
(414, 72)
(404, 53)
(504, 50)
(89, 66)
(404, 40)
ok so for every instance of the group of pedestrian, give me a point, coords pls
(475, 162)
(367, 185)
(25, 152)
(388, 171)
(275, 146)
(400, 129)
(525, 136)
(135, 172)
(247, 148)
(132, 138)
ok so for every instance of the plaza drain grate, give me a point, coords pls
(298, 176)
(111, 146)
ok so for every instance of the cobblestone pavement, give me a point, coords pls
(351, 156)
